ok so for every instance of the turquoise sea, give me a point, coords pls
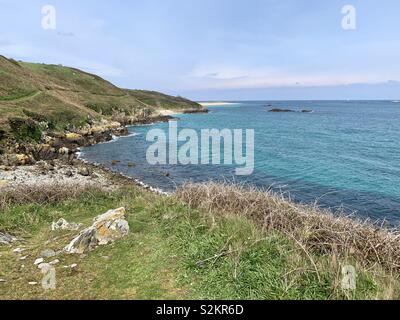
(345, 154)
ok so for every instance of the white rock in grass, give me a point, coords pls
(63, 224)
(106, 229)
(38, 261)
(54, 262)
(48, 253)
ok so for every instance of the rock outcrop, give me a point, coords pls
(106, 229)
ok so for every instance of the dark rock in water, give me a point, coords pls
(131, 165)
(307, 111)
(280, 110)
(189, 111)
(115, 162)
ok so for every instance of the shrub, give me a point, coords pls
(312, 228)
(35, 116)
(102, 108)
(25, 129)
(2, 134)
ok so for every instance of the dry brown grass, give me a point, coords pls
(44, 193)
(313, 229)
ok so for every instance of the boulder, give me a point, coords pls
(24, 159)
(18, 160)
(63, 151)
(86, 172)
(3, 183)
(73, 137)
(106, 229)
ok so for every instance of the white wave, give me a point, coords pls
(115, 138)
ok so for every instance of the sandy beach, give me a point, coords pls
(168, 112)
(215, 104)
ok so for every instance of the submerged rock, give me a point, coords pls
(280, 110)
(106, 229)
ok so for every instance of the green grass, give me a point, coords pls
(172, 252)
(19, 95)
(66, 96)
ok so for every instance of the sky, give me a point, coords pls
(217, 49)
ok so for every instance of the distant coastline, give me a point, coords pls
(215, 104)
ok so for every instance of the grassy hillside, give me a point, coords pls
(173, 252)
(67, 95)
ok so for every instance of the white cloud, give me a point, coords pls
(26, 52)
(228, 77)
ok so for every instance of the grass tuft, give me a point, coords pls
(312, 229)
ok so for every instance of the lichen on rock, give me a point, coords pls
(105, 229)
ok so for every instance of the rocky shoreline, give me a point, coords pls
(58, 160)
(66, 145)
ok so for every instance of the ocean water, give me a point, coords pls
(345, 154)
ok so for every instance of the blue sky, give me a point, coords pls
(217, 49)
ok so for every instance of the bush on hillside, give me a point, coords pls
(25, 129)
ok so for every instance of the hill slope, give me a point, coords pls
(67, 95)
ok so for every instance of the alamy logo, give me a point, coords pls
(349, 21)
(49, 279)
(206, 148)
(49, 20)
(349, 278)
